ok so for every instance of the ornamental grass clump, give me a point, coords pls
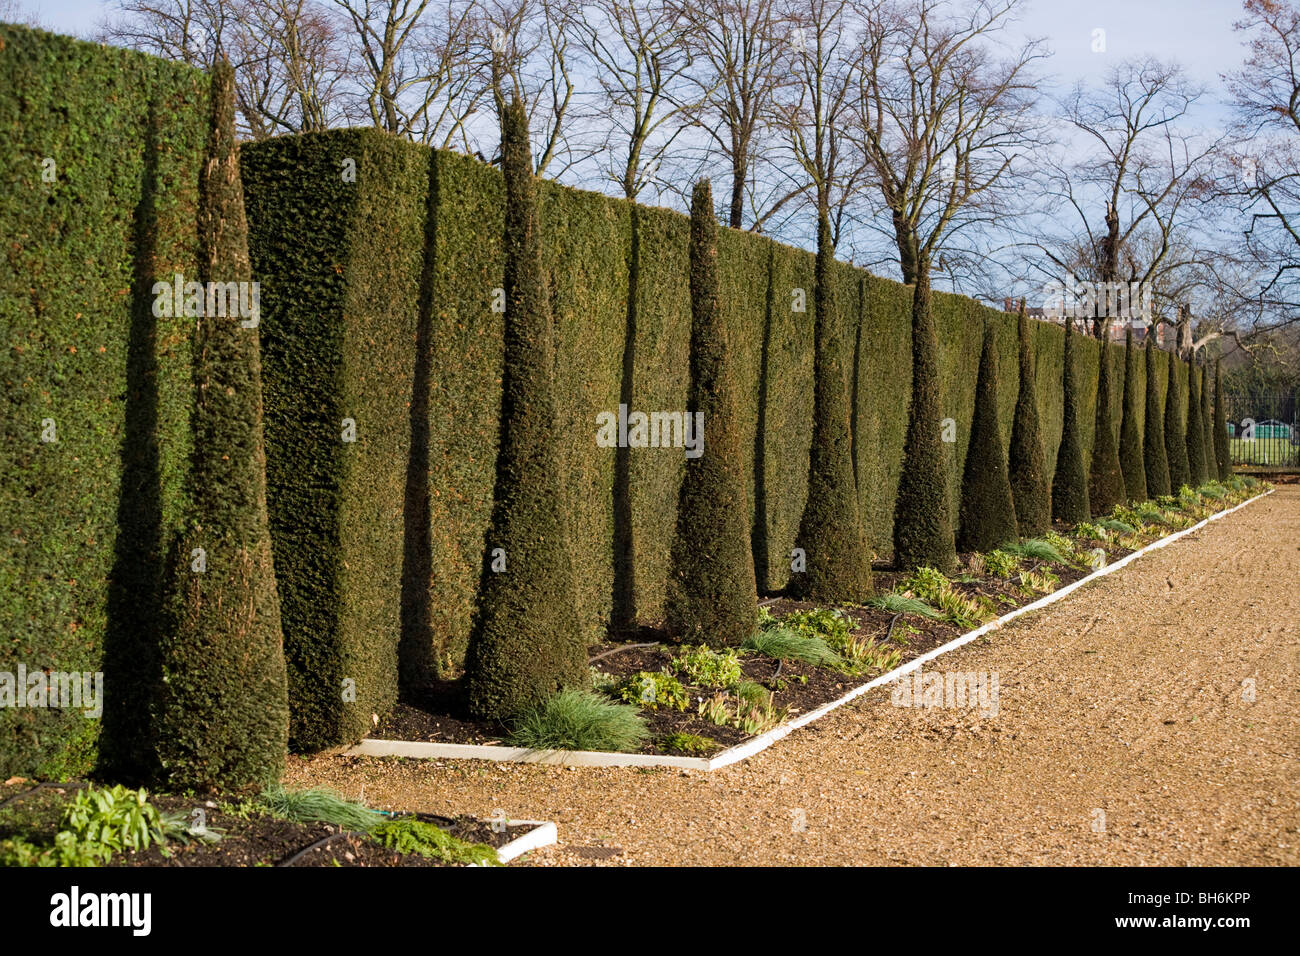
(579, 720)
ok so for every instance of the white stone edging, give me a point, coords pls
(543, 834)
(595, 758)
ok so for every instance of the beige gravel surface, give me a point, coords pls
(1124, 735)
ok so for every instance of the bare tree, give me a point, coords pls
(812, 110)
(289, 64)
(197, 32)
(533, 58)
(293, 66)
(940, 119)
(14, 11)
(635, 50)
(1262, 179)
(418, 74)
(1144, 175)
(740, 62)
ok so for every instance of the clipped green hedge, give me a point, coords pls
(340, 265)
(619, 287)
(88, 519)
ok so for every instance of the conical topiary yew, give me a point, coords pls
(987, 516)
(525, 644)
(831, 532)
(1175, 434)
(1222, 457)
(1028, 464)
(1153, 437)
(923, 511)
(1195, 436)
(712, 597)
(1207, 426)
(221, 717)
(1105, 478)
(1070, 482)
(1130, 445)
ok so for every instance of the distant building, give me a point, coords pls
(1116, 329)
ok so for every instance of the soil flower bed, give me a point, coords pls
(81, 824)
(697, 701)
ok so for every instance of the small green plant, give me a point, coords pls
(1039, 549)
(1148, 512)
(319, 805)
(926, 584)
(962, 611)
(579, 720)
(715, 710)
(603, 683)
(1061, 543)
(895, 603)
(1040, 581)
(789, 645)
(653, 690)
(1214, 491)
(705, 667)
(66, 851)
(689, 744)
(1001, 564)
(1088, 531)
(862, 654)
(752, 692)
(407, 835)
(830, 624)
(112, 819)
(1116, 526)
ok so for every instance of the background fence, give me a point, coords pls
(1263, 429)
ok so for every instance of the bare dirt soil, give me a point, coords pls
(1150, 718)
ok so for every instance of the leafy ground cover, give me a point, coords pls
(84, 824)
(650, 695)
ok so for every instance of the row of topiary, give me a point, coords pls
(524, 646)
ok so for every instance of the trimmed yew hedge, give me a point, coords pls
(340, 265)
(597, 249)
(377, 306)
(124, 134)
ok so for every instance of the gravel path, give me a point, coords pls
(1123, 735)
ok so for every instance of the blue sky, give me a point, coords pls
(1197, 33)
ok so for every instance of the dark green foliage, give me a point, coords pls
(1175, 433)
(988, 514)
(222, 716)
(588, 251)
(1207, 427)
(1027, 467)
(525, 645)
(87, 518)
(922, 512)
(340, 265)
(1195, 435)
(407, 835)
(830, 531)
(1154, 461)
(1070, 482)
(711, 593)
(1222, 459)
(1105, 478)
(1130, 441)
